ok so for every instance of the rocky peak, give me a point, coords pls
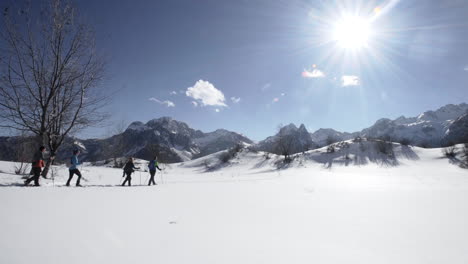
(288, 129)
(302, 129)
(137, 125)
(170, 125)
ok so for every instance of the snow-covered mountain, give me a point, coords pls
(427, 129)
(289, 138)
(447, 124)
(457, 131)
(173, 140)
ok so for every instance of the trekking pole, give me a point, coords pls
(122, 179)
(81, 170)
(53, 179)
(162, 173)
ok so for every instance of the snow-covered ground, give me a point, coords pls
(351, 206)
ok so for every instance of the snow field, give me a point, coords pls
(247, 211)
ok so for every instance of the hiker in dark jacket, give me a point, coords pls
(74, 162)
(152, 166)
(37, 165)
(128, 170)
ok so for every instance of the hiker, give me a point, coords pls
(152, 166)
(37, 165)
(74, 162)
(128, 170)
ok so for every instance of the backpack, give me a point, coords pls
(129, 167)
(151, 165)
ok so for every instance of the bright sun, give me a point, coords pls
(352, 32)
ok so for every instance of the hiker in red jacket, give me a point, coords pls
(37, 165)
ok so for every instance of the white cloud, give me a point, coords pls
(194, 103)
(206, 94)
(217, 110)
(173, 93)
(315, 73)
(283, 94)
(266, 86)
(235, 100)
(350, 80)
(275, 100)
(167, 103)
(466, 68)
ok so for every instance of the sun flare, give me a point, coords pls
(352, 32)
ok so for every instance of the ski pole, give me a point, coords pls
(124, 177)
(162, 173)
(53, 179)
(81, 170)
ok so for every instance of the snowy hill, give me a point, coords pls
(368, 206)
(323, 136)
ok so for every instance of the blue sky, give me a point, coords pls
(260, 51)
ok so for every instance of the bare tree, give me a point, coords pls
(307, 146)
(22, 153)
(231, 153)
(450, 152)
(465, 156)
(49, 74)
(118, 144)
(284, 143)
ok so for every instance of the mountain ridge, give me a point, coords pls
(175, 141)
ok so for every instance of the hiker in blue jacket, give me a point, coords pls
(152, 166)
(74, 162)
